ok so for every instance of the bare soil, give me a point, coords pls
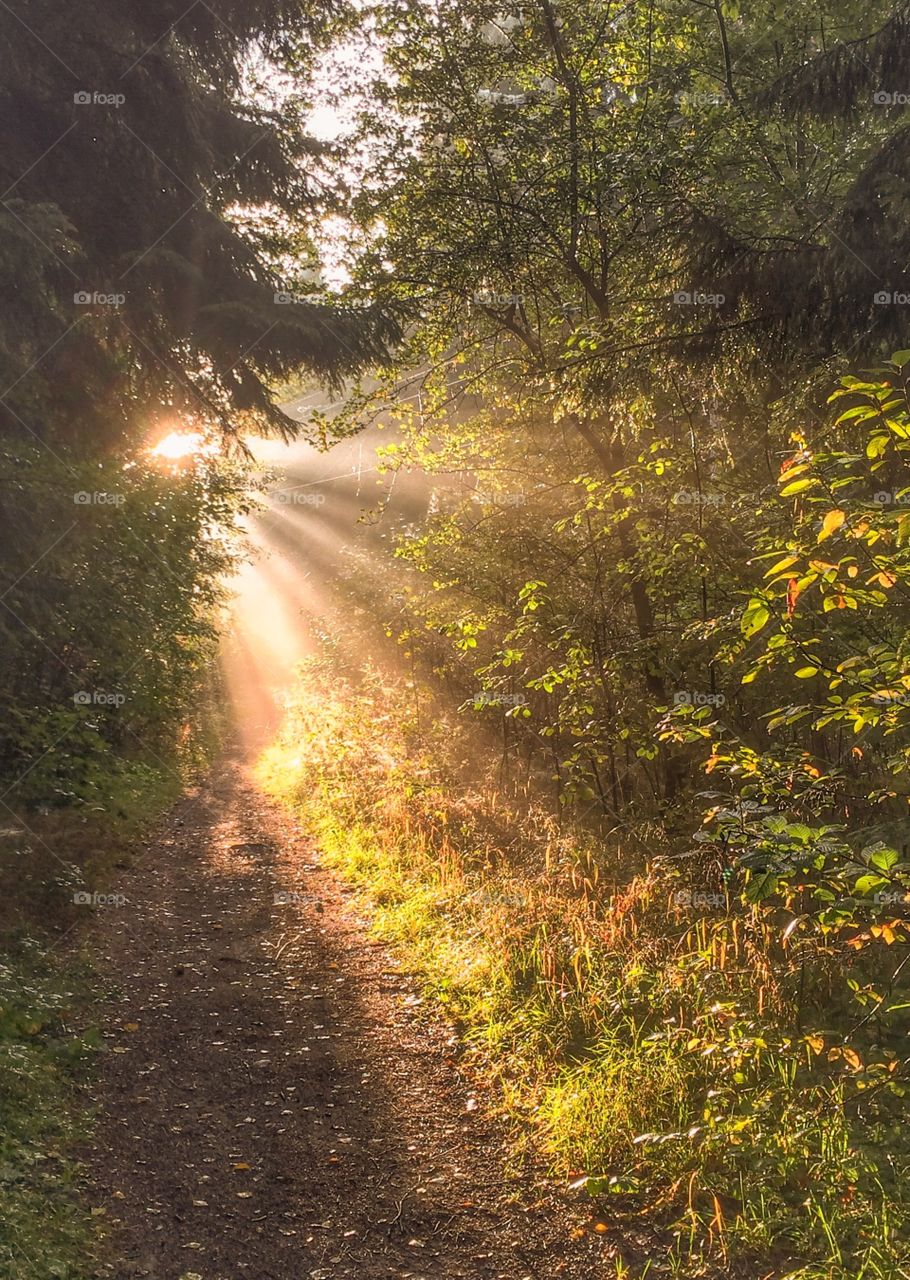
(276, 1103)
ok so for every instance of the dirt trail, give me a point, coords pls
(275, 1105)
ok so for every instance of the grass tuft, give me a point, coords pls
(646, 1048)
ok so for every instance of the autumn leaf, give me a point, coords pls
(885, 932)
(831, 523)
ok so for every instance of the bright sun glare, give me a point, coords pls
(183, 444)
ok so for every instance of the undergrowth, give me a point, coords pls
(46, 1232)
(643, 1026)
(58, 869)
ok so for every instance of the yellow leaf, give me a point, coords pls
(884, 931)
(831, 523)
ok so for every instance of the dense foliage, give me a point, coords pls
(139, 283)
(156, 216)
(641, 247)
(155, 235)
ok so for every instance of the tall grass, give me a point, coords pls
(644, 1045)
(46, 1230)
(48, 992)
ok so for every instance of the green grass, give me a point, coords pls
(46, 1231)
(645, 1050)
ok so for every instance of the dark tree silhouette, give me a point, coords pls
(135, 284)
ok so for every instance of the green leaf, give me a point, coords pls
(884, 859)
(754, 618)
(798, 486)
(761, 885)
(868, 884)
(786, 563)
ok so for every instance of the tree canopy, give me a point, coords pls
(140, 284)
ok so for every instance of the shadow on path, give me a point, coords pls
(274, 1104)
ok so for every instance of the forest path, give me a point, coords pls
(274, 1103)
